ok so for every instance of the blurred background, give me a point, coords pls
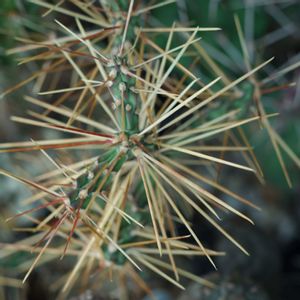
(271, 28)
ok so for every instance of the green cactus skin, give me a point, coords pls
(126, 105)
(83, 187)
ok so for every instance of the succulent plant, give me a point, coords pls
(140, 118)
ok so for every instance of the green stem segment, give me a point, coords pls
(126, 106)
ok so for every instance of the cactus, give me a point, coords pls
(118, 210)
